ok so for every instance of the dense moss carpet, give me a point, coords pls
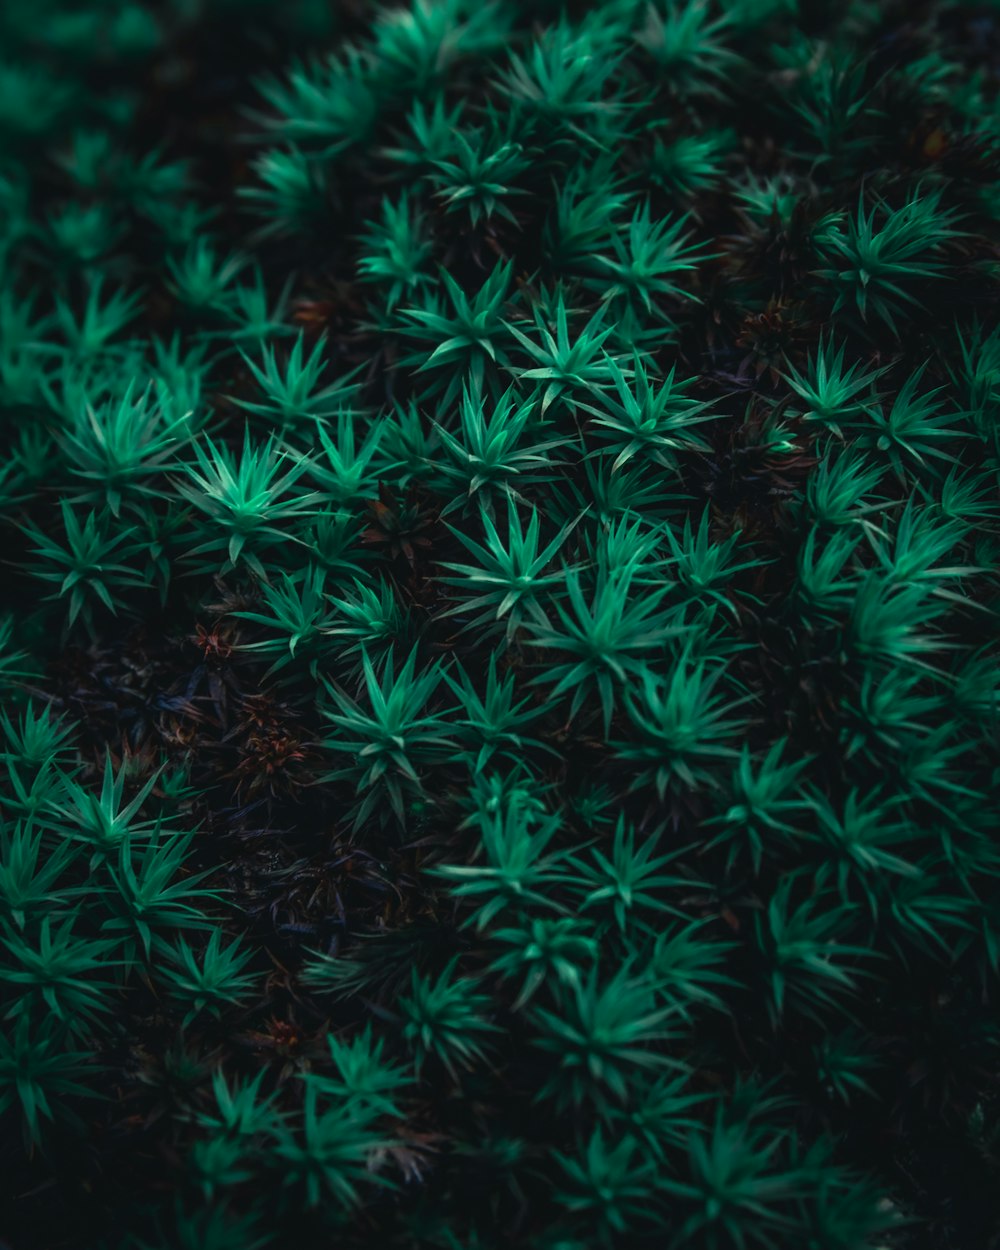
(499, 625)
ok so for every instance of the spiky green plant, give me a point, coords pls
(389, 736)
(290, 392)
(602, 1035)
(80, 562)
(565, 365)
(606, 636)
(517, 873)
(245, 496)
(876, 258)
(509, 577)
(682, 725)
(463, 339)
(445, 1019)
(209, 980)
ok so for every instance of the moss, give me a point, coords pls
(498, 645)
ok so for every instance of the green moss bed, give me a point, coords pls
(499, 672)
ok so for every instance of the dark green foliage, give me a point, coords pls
(499, 683)
(442, 1019)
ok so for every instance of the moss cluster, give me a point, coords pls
(498, 650)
